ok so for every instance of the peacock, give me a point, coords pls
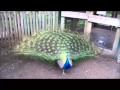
(63, 47)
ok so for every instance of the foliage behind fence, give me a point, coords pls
(15, 24)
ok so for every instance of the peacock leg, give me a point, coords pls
(63, 72)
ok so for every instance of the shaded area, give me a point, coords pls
(103, 38)
(20, 67)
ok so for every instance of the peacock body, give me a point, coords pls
(61, 46)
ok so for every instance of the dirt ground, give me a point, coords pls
(20, 67)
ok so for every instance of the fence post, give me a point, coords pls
(62, 23)
(116, 42)
(88, 26)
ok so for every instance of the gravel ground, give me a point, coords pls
(20, 67)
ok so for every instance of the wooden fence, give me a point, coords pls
(15, 24)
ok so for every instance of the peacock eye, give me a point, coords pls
(49, 50)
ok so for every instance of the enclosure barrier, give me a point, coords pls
(15, 24)
(89, 19)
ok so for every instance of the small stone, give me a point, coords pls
(20, 61)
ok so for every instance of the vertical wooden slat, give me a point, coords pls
(49, 21)
(62, 23)
(22, 14)
(10, 24)
(0, 31)
(33, 15)
(21, 21)
(28, 26)
(37, 20)
(45, 21)
(19, 26)
(56, 20)
(47, 26)
(7, 29)
(31, 25)
(24, 23)
(43, 26)
(39, 25)
(44, 16)
(53, 21)
(3, 30)
(15, 27)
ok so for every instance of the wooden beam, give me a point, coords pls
(87, 27)
(116, 41)
(104, 20)
(92, 18)
(71, 14)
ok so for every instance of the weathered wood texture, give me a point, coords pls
(13, 25)
(92, 18)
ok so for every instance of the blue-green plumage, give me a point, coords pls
(67, 65)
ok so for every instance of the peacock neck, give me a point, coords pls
(67, 64)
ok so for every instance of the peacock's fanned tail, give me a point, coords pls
(49, 45)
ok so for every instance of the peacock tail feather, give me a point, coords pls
(50, 44)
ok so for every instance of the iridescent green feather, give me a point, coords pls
(49, 44)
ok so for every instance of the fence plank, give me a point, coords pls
(53, 21)
(3, 30)
(56, 20)
(62, 23)
(36, 13)
(39, 20)
(46, 20)
(31, 25)
(15, 27)
(7, 30)
(43, 19)
(49, 20)
(33, 14)
(10, 27)
(19, 26)
(13, 31)
(25, 23)
(28, 26)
